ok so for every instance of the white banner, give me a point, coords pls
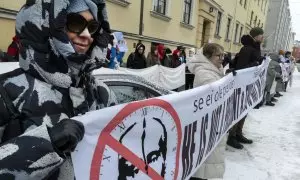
(168, 78)
(167, 137)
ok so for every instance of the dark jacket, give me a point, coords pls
(136, 60)
(250, 54)
(49, 86)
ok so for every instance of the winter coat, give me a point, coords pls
(176, 59)
(205, 73)
(137, 60)
(152, 58)
(273, 72)
(250, 54)
(52, 84)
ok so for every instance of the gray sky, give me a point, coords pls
(295, 7)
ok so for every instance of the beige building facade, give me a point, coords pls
(172, 23)
(225, 22)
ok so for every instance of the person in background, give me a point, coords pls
(13, 49)
(152, 58)
(249, 56)
(279, 80)
(53, 84)
(137, 59)
(281, 56)
(288, 60)
(176, 57)
(227, 60)
(167, 58)
(273, 73)
(113, 52)
(207, 68)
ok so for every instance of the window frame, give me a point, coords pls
(228, 26)
(156, 4)
(218, 23)
(241, 32)
(190, 13)
(237, 26)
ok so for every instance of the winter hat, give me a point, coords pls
(77, 6)
(256, 32)
(281, 52)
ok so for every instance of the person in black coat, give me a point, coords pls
(137, 59)
(249, 56)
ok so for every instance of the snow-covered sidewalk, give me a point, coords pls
(275, 153)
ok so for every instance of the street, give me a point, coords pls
(275, 154)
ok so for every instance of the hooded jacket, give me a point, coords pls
(250, 54)
(205, 73)
(152, 58)
(53, 83)
(137, 60)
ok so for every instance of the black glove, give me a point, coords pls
(231, 70)
(278, 79)
(66, 135)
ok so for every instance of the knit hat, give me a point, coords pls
(256, 32)
(77, 6)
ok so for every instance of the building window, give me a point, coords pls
(245, 4)
(228, 28)
(241, 33)
(218, 27)
(262, 25)
(255, 20)
(241, 2)
(236, 32)
(258, 24)
(160, 6)
(251, 17)
(187, 11)
(258, 2)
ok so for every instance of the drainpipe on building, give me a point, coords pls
(141, 26)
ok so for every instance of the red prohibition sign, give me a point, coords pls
(106, 139)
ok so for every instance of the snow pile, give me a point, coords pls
(275, 154)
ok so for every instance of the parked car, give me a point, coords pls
(126, 87)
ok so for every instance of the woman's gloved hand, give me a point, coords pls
(66, 134)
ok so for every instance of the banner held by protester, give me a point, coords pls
(168, 137)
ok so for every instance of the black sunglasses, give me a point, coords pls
(77, 24)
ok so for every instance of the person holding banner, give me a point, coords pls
(249, 56)
(207, 67)
(62, 42)
(272, 74)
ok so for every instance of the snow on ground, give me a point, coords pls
(275, 154)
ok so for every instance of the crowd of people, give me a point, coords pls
(54, 84)
(159, 55)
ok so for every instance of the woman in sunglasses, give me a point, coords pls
(61, 43)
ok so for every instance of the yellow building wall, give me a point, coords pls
(7, 33)
(12, 4)
(124, 19)
(172, 30)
